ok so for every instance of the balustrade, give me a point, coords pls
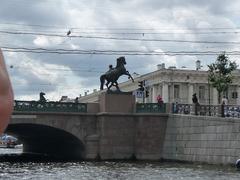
(49, 106)
(176, 108)
(150, 108)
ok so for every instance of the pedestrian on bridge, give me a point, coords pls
(160, 100)
(196, 103)
(6, 95)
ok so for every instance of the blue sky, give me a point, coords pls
(142, 26)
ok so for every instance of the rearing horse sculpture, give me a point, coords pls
(112, 75)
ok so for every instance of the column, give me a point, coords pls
(190, 93)
(154, 93)
(238, 93)
(215, 96)
(165, 92)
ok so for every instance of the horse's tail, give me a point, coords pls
(102, 80)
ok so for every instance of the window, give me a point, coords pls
(201, 92)
(176, 91)
(234, 95)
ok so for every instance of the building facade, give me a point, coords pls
(177, 85)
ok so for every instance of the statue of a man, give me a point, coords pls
(110, 68)
(41, 97)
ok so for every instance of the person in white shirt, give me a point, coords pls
(224, 100)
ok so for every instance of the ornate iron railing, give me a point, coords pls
(150, 108)
(231, 111)
(182, 108)
(203, 110)
(49, 106)
(209, 110)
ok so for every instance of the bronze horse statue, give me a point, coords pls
(113, 74)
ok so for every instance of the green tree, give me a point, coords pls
(220, 74)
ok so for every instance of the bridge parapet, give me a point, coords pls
(221, 110)
(151, 108)
(37, 106)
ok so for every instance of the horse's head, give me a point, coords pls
(42, 94)
(121, 60)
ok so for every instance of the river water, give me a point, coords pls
(112, 170)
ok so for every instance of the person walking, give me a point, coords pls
(160, 100)
(195, 102)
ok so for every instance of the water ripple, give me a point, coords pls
(114, 170)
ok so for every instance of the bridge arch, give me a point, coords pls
(47, 140)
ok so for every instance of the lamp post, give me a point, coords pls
(209, 112)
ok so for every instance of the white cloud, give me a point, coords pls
(41, 41)
(44, 41)
(162, 19)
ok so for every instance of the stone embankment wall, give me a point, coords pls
(211, 140)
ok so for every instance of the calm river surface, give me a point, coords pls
(112, 170)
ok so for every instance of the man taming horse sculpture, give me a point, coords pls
(112, 75)
(6, 96)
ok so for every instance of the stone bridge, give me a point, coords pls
(107, 130)
(56, 134)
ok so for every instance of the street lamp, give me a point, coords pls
(209, 112)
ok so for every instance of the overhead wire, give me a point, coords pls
(123, 38)
(107, 32)
(104, 37)
(118, 28)
(112, 52)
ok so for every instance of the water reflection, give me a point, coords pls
(113, 170)
(16, 150)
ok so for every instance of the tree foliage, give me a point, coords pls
(220, 73)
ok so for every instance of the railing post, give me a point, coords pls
(220, 110)
(194, 109)
(169, 107)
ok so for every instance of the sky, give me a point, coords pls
(40, 56)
